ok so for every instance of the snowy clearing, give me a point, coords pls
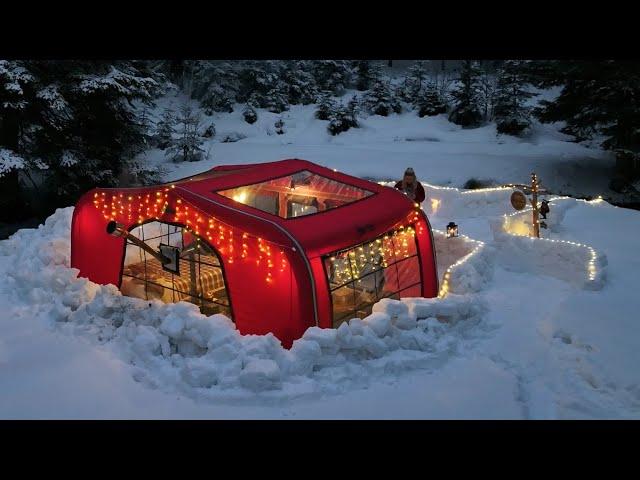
(441, 152)
(495, 351)
(524, 331)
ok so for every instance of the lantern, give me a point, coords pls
(452, 230)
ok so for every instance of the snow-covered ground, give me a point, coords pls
(441, 152)
(527, 330)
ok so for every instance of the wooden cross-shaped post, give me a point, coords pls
(534, 204)
(534, 189)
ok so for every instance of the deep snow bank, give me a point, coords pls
(176, 348)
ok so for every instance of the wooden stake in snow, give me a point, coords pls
(534, 189)
(534, 204)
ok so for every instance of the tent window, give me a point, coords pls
(296, 195)
(201, 280)
(386, 267)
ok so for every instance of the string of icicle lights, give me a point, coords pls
(235, 244)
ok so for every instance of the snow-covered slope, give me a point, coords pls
(524, 331)
(441, 152)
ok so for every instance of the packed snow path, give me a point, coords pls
(508, 341)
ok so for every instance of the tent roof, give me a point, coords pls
(318, 233)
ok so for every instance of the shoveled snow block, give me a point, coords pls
(391, 307)
(380, 323)
(260, 374)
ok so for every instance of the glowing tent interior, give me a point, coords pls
(278, 247)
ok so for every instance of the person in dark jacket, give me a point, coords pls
(410, 186)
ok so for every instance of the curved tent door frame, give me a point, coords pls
(298, 248)
(183, 227)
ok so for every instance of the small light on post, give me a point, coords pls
(452, 230)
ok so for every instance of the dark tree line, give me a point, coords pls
(67, 126)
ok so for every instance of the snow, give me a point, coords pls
(9, 160)
(440, 152)
(523, 331)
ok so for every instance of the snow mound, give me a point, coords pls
(576, 263)
(175, 348)
(464, 265)
(520, 223)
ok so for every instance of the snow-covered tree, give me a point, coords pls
(365, 74)
(414, 81)
(333, 75)
(215, 84)
(466, 110)
(429, 101)
(380, 100)
(249, 114)
(326, 106)
(511, 113)
(298, 77)
(597, 98)
(9, 161)
(353, 107)
(487, 87)
(187, 146)
(262, 85)
(93, 107)
(276, 100)
(344, 117)
(165, 129)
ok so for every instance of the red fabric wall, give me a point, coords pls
(283, 304)
(97, 255)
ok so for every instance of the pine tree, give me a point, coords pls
(333, 75)
(344, 117)
(188, 144)
(165, 129)
(597, 98)
(365, 74)
(298, 76)
(466, 96)
(379, 99)
(53, 111)
(326, 106)
(511, 114)
(145, 124)
(353, 108)
(215, 84)
(487, 87)
(249, 114)
(414, 81)
(429, 102)
(276, 100)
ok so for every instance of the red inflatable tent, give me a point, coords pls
(278, 247)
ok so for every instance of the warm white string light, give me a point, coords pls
(445, 287)
(593, 256)
(461, 191)
(446, 281)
